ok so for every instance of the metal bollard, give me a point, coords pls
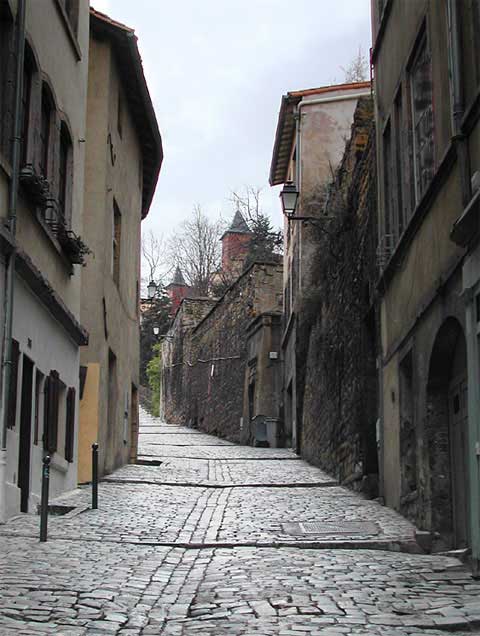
(94, 476)
(44, 500)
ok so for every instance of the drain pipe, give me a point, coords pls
(457, 97)
(10, 267)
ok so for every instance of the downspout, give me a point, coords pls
(457, 97)
(10, 269)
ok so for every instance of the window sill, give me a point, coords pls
(72, 38)
(418, 216)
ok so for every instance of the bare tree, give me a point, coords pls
(358, 69)
(153, 253)
(195, 248)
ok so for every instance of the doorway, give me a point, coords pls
(446, 431)
(458, 431)
(25, 433)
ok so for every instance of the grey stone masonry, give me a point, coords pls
(222, 539)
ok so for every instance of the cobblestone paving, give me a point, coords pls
(207, 546)
(224, 473)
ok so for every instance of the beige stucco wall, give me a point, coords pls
(428, 260)
(112, 173)
(88, 433)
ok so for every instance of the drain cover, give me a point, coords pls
(332, 527)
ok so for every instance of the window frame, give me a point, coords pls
(422, 46)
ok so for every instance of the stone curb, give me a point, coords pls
(212, 484)
(408, 546)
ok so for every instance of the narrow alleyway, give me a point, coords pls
(220, 539)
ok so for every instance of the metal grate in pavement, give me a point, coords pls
(331, 528)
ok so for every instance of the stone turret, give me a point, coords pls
(235, 243)
(177, 290)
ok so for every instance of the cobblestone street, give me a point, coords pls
(222, 539)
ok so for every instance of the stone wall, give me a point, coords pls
(337, 322)
(205, 362)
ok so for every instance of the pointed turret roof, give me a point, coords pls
(238, 225)
(178, 280)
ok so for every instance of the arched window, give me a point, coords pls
(46, 116)
(29, 70)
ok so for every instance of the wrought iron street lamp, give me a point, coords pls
(151, 289)
(289, 197)
(156, 331)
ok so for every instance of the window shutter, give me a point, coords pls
(12, 398)
(70, 425)
(51, 412)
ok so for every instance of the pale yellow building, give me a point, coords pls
(123, 159)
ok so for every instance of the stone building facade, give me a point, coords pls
(206, 357)
(337, 323)
(426, 87)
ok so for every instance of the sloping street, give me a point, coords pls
(205, 537)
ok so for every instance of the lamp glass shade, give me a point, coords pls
(289, 196)
(151, 289)
(156, 331)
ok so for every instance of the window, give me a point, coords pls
(401, 217)
(45, 121)
(6, 84)
(26, 100)
(388, 185)
(116, 243)
(64, 174)
(422, 118)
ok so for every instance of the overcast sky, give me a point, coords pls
(216, 70)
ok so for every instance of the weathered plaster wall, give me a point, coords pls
(337, 325)
(109, 310)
